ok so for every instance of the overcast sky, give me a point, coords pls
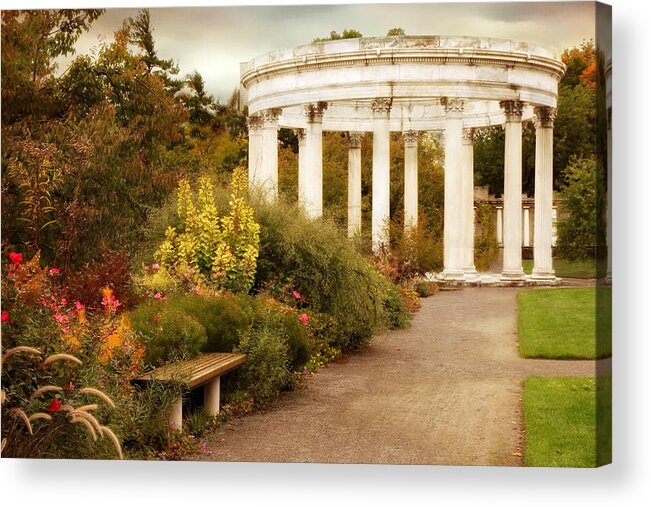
(214, 40)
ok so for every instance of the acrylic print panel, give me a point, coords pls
(259, 234)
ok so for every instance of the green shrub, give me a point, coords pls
(578, 231)
(167, 333)
(285, 323)
(266, 370)
(313, 257)
(397, 317)
(486, 246)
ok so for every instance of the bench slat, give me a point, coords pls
(197, 371)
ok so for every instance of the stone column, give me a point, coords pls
(269, 172)
(310, 183)
(452, 226)
(512, 266)
(525, 227)
(468, 206)
(543, 208)
(381, 173)
(410, 139)
(498, 226)
(254, 123)
(354, 183)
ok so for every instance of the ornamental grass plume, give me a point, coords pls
(61, 357)
(87, 425)
(113, 439)
(40, 415)
(22, 348)
(99, 394)
(87, 408)
(23, 416)
(44, 389)
(88, 417)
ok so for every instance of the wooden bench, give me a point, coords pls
(205, 370)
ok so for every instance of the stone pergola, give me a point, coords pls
(411, 84)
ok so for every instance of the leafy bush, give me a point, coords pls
(486, 246)
(266, 370)
(167, 333)
(111, 271)
(577, 232)
(312, 257)
(220, 252)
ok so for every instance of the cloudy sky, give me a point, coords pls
(214, 40)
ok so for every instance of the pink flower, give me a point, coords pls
(61, 319)
(155, 267)
(64, 301)
(54, 271)
(5, 316)
(16, 258)
(79, 306)
(146, 268)
(304, 318)
(296, 295)
(158, 295)
(65, 330)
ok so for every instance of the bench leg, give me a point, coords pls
(176, 414)
(211, 397)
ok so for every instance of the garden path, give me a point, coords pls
(447, 390)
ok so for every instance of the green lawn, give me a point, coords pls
(568, 269)
(563, 323)
(560, 419)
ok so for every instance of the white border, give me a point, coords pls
(55, 483)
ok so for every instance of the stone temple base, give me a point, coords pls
(493, 280)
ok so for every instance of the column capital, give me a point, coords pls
(468, 135)
(254, 122)
(270, 116)
(512, 109)
(381, 106)
(355, 139)
(410, 137)
(314, 112)
(545, 116)
(300, 134)
(452, 105)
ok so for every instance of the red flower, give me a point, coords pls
(61, 319)
(64, 301)
(54, 406)
(16, 258)
(5, 316)
(54, 271)
(304, 318)
(155, 318)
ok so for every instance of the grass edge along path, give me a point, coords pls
(565, 323)
(568, 421)
(563, 268)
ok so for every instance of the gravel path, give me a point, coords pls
(447, 390)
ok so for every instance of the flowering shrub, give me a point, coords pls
(213, 251)
(81, 349)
